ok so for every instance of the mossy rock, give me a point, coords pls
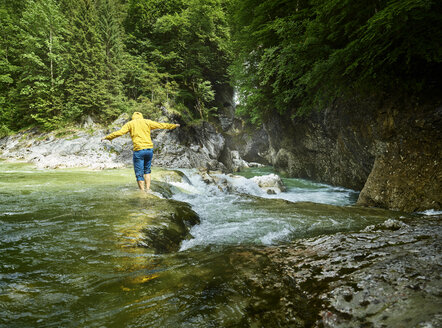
(163, 175)
(166, 223)
(163, 188)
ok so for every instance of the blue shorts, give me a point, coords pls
(142, 160)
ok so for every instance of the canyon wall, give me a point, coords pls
(391, 153)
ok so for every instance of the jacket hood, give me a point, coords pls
(137, 116)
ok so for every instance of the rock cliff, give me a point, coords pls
(389, 152)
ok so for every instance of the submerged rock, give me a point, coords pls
(161, 224)
(168, 225)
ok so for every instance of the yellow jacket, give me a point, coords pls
(139, 129)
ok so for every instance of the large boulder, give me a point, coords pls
(155, 221)
(189, 147)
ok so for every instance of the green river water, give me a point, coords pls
(68, 256)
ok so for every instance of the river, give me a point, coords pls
(68, 258)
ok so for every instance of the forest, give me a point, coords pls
(63, 60)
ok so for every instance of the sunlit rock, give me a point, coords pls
(272, 183)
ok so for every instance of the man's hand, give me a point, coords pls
(177, 125)
(103, 139)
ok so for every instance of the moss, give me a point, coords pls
(168, 224)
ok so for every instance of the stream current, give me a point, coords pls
(67, 256)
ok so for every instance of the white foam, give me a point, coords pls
(227, 217)
(275, 236)
(185, 187)
(431, 212)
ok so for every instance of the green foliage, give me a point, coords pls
(110, 34)
(42, 34)
(4, 131)
(185, 41)
(85, 85)
(9, 63)
(204, 94)
(295, 56)
(61, 60)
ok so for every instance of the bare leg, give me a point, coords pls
(147, 179)
(141, 185)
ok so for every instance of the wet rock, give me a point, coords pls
(166, 229)
(162, 225)
(165, 175)
(237, 162)
(393, 224)
(270, 183)
(378, 278)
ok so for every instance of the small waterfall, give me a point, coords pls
(235, 210)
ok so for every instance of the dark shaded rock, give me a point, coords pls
(331, 146)
(389, 151)
(226, 107)
(189, 147)
(251, 143)
(407, 173)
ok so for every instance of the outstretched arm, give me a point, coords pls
(156, 125)
(119, 133)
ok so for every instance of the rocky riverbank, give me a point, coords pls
(193, 146)
(387, 275)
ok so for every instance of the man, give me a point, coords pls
(139, 130)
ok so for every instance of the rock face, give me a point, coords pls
(188, 147)
(251, 143)
(407, 173)
(391, 154)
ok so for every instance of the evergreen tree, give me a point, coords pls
(193, 45)
(111, 37)
(42, 62)
(86, 82)
(10, 14)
